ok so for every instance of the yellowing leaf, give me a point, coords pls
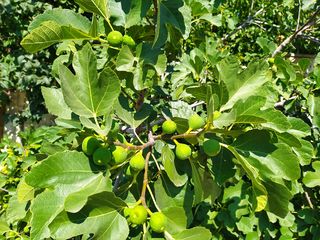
(261, 202)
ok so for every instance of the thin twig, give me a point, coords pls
(157, 137)
(283, 102)
(308, 199)
(153, 198)
(308, 24)
(243, 25)
(299, 13)
(5, 190)
(311, 38)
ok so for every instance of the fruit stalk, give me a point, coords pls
(145, 181)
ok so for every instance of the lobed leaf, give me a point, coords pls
(87, 93)
(49, 33)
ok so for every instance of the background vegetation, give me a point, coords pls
(250, 69)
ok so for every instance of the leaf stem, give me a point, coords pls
(153, 198)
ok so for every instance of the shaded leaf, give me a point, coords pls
(99, 216)
(168, 158)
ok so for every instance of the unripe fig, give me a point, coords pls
(183, 151)
(127, 212)
(137, 162)
(195, 122)
(102, 156)
(138, 215)
(211, 147)
(90, 144)
(158, 222)
(169, 127)
(128, 41)
(114, 38)
(119, 154)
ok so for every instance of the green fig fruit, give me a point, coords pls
(137, 162)
(195, 122)
(169, 127)
(115, 38)
(183, 151)
(138, 215)
(90, 144)
(128, 41)
(102, 156)
(158, 222)
(211, 147)
(119, 154)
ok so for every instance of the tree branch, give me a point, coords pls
(145, 180)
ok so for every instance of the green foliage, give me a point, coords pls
(19, 70)
(239, 162)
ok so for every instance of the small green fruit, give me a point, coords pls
(128, 41)
(26, 229)
(115, 38)
(271, 60)
(195, 122)
(102, 156)
(183, 151)
(127, 212)
(138, 215)
(89, 145)
(169, 127)
(119, 154)
(211, 147)
(137, 162)
(158, 222)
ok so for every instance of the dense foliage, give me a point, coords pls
(19, 70)
(175, 120)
